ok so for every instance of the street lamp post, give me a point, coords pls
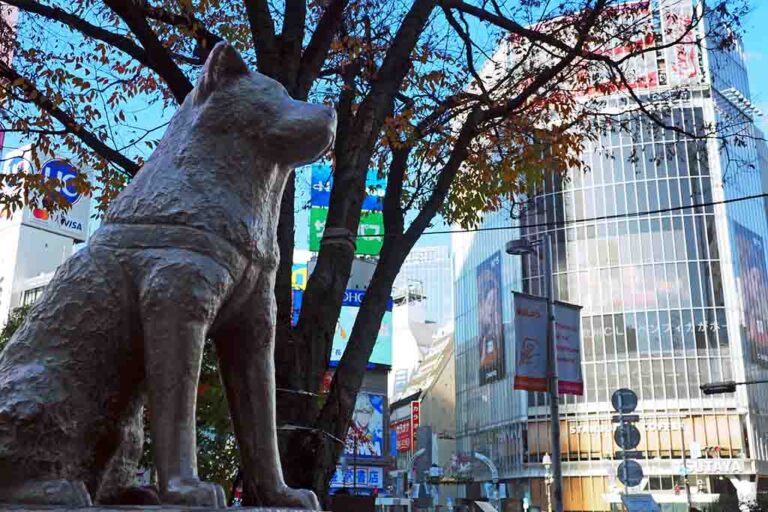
(547, 461)
(526, 246)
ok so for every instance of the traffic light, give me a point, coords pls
(716, 388)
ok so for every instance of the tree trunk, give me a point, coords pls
(309, 455)
(318, 454)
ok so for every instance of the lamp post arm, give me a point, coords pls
(729, 386)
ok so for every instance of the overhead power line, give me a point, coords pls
(568, 222)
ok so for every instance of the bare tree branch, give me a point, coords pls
(160, 59)
(316, 51)
(292, 37)
(45, 104)
(206, 39)
(76, 23)
(263, 31)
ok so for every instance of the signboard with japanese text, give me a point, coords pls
(370, 231)
(322, 182)
(365, 437)
(530, 342)
(364, 477)
(639, 27)
(489, 317)
(403, 435)
(682, 58)
(415, 420)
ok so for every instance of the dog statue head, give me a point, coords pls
(233, 99)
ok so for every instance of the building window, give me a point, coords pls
(31, 296)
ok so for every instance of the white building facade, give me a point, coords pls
(34, 242)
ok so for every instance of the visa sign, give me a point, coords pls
(322, 182)
(72, 222)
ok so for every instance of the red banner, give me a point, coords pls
(415, 407)
(403, 434)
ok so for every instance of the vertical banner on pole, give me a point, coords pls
(530, 342)
(531, 345)
(568, 345)
(490, 326)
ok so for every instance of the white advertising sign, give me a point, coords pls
(683, 57)
(73, 222)
(530, 342)
(568, 347)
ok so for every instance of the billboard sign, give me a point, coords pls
(683, 57)
(322, 182)
(490, 326)
(382, 350)
(568, 346)
(71, 223)
(365, 437)
(369, 232)
(350, 306)
(753, 280)
(638, 28)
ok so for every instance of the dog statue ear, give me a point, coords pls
(223, 64)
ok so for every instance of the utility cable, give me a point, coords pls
(568, 222)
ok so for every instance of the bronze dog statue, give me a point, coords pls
(187, 250)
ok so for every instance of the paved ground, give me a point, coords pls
(27, 508)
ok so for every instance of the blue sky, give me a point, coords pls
(756, 50)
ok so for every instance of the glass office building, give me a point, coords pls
(671, 299)
(427, 271)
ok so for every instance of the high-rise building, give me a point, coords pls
(673, 295)
(427, 272)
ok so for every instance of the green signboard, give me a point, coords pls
(369, 233)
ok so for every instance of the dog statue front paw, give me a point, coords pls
(192, 492)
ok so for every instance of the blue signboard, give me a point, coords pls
(354, 298)
(322, 181)
(370, 477)
(298, 295)
(64, 173)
